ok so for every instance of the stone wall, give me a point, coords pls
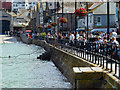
(63, 60)
(25, 39)
(66, 61)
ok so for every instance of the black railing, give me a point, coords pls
(105, 55)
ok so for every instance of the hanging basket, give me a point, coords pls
(40, 27)
(81, 12)
(63, 20)
(54, 24)
(49, 26)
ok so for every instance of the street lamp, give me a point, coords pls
(108, 22)
(75, 20)
(62, 14)
(87, 20)
(58, 24)
(67, 18)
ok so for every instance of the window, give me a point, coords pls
(33, 2)
(91, 19)
(13, 5)
(98, 20)
(5, 16)
(23, 5)
(50, 4)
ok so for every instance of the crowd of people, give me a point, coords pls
(101, 38)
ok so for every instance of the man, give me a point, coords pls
(114, 34)
(77, 36)
(99, 40)
(72, 37)
(115, 44)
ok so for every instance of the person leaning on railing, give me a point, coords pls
(72, 37)
(115, 48)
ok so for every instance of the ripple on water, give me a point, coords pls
(28, 72)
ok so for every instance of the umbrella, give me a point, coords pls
(29, 31)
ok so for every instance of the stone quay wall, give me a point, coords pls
(66, 61)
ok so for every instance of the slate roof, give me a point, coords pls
(16, 24)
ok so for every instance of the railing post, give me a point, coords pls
(107, 57)
(111, 59)
(116, 60)
(95, 52)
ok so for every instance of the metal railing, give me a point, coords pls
(105, 55)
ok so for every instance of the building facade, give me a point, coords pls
(5, 22)
(97, 16)
(23, 4)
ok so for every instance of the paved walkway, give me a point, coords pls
(7, 39)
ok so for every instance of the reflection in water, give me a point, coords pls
(26, 71)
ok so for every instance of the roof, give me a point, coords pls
(101, 8)
(67, 10)
(24, 15)
(5, 5)
(94, 5)
(12, 13)
(3, 13)
(16, 24)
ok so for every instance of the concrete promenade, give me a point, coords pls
(7, 39)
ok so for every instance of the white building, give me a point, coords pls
(23, 4)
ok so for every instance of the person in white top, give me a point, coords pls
(114, 34)
(72, 37)
(77, 35)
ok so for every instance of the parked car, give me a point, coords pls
(102, 30)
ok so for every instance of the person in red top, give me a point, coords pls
(30, 35)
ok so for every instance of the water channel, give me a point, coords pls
(22, 69)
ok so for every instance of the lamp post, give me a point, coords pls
(71, 22)
(75, 20)
(62, 14)
(119, 14)
(67, 18)
(108, 20)
(87, 20)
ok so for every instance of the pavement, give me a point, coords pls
(7, 39)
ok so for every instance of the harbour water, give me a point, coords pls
(22, 69)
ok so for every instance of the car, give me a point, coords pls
(80, 29)
(102, 30)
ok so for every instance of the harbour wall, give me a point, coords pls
(65, 63)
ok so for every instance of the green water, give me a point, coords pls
(26, 71)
